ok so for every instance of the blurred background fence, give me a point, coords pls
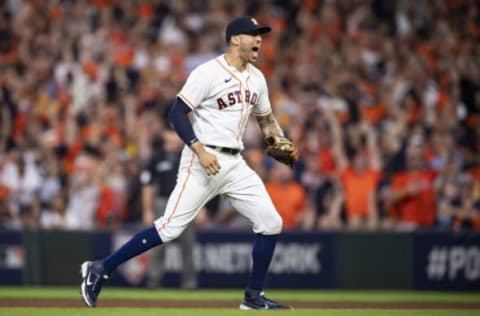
(425, 260)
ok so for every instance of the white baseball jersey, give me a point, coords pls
(222, 99)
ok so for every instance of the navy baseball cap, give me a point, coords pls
(245, 25)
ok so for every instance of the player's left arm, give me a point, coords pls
(280, 147)
(269, 125)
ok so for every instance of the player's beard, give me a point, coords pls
(247, 52)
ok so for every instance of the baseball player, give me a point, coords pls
(221, 94)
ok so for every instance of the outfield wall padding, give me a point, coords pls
(374, 260)
(425, 260)
(54, 257)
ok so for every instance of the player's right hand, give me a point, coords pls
(209, 163)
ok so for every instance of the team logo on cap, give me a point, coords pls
(254, 21)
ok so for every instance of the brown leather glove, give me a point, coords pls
(282, 149)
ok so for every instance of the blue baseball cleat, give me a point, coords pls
(259, 301)
(93, 276)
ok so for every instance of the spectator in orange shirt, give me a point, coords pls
(289, 197)
(413, 192)
(359, 176)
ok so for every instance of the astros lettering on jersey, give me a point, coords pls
(222, 99)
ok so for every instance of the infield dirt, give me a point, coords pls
(14, 302)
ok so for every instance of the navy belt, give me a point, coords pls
(225, 150)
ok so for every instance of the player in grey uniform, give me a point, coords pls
(221, 94)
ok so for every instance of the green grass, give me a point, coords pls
(291, 295)
(211, 295)
(225, 312)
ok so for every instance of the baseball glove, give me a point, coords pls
(282, 149)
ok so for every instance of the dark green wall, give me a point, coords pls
(362, 260)
(54, 257)
(374, 260)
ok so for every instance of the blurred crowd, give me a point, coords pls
(381, 97)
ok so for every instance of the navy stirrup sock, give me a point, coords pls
(141, 242)
(262, 254)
